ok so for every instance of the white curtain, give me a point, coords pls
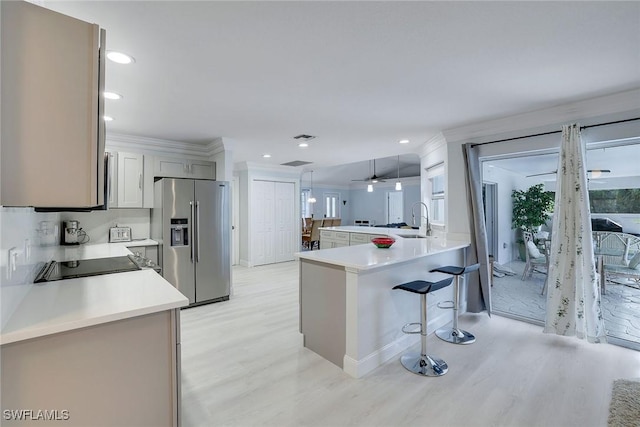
(573, 297)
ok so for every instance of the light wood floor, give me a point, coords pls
(243, 364)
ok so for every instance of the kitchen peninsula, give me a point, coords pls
(349, 313)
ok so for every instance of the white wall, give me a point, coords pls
(372, 206)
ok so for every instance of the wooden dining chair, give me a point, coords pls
(314, 236)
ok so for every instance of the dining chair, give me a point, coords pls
(314, 235)
(533, 256)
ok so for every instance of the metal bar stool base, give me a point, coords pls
(428, 366)
(455, 336)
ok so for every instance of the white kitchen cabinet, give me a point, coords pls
(273, 222)
(126, 172)
(52, 107)
(361, 238)
(130, 170)
(336, 239)
(132, 365)
(184, 168)
(333, 239)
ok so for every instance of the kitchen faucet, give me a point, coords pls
(413, 216)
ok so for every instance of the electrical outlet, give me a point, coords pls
(12, 264)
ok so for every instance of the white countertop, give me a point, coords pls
(368, 256)
(66, 305)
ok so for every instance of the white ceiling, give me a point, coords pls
(358, 75)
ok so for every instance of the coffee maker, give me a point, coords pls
(70, 232)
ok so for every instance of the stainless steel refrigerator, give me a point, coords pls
(191, 222)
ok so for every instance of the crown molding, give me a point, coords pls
(259, 167)
(157, 146)
(434, 143)
(547, 118)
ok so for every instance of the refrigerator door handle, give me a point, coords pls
(198, 230)
(193, 229)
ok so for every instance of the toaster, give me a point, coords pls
(119, 234)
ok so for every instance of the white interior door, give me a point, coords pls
(235, 233)
(285, 221)
(395, 207)
(262, 222)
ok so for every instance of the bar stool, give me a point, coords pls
(421, 363)
(455, 335)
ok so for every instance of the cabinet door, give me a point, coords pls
(202, 169)
(130, 180)
(52, 129)
(172, 168)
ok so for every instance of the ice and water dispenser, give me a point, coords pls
(179, 232)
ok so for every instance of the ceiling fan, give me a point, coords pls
(372, 178)
(595, 173)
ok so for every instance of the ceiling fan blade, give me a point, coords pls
(545, 173)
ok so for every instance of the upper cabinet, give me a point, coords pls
(127, 185)
(52, 107)
(184, 168)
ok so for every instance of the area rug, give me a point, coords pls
(624, 409)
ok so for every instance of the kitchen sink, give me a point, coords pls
(411, 236)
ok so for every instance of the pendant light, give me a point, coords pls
(370, 186)
(311, 198)
(398, 183)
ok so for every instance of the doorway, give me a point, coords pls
(395, 207)
(490, 201)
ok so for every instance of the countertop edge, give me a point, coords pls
(13, 337)
(360, 267)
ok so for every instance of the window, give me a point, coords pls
(331, 205)
(623, 201)
(306, 208)
(436, 193)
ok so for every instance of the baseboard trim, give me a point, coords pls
(359, 368)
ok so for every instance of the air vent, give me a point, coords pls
(296, 163)
(304, 137)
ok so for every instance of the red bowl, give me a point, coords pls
(383, 242)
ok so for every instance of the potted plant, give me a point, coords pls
(531, 209)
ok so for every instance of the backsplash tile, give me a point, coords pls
(20, 234)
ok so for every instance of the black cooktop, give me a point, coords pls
(55, 270)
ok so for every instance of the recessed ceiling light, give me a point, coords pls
(266, 156)
(404, 141)
(120, 58)
(108, 118)
(112, 95)
(303, 145)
